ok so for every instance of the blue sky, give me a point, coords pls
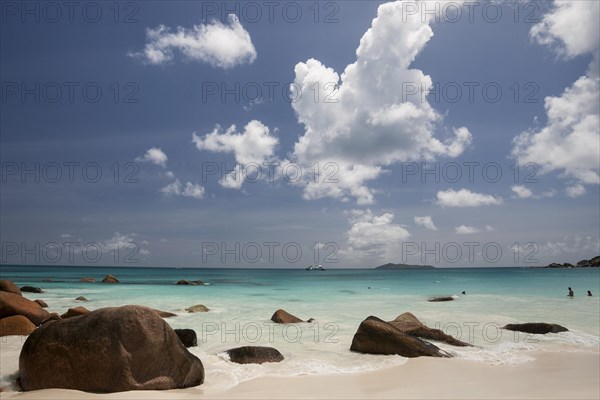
(392, 69)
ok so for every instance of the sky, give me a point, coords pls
(282, 134)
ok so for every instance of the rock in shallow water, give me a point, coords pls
(536, 327)
(254, 355)
(409, 324)
(375, 336)
(108, 350)
(283, 317)
(445, 298)
(197, 308)
(31, 289)
(110, 279)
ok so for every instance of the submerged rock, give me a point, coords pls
(108, 350)
(187, 336)
(87, 280)
(16, 325)
(283, 317)
(14, 304)
(409, 324)
(254, 355)
(536, 327)
(8, 286)
(81, 298)
(375, 336)
(110, 279)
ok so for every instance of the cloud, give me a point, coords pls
(570, 141)
(189, 190)
(523, 192)
(467, 230)
(155, 156)
(465, 198)
(575, 247)
(374, 235)
(255, 145)
(575, 190)
(361, 120)
(218, 44)
(119, 242)
(571, 28)
(426, 222)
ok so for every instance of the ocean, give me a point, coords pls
(241, 302)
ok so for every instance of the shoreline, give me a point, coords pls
(550, 375)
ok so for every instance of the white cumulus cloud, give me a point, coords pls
(255, 146)
(575, 190)
(465, 198)
(374, 235)
(426, 222)
(570, 141)
(467, 230)
(218, 44)
(522, 192)
(155, 156)
(190, 189)
(360, 119)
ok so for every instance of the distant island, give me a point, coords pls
(594, 262)
(404, 266)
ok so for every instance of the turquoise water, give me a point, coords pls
(241, 302)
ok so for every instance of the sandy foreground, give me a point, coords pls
(549, 376)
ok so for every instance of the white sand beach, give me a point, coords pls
(572, 375)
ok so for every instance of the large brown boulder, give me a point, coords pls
(16, 325)
(108, 350)
(254, 355)
(110, 279)
(75, 312)
(8, 286)
(283, 317)
(14, 304)
(409, 324)
(536, 327)
(375, 336)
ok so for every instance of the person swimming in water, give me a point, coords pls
(570, 292)
(589, 293)
(463, 292)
